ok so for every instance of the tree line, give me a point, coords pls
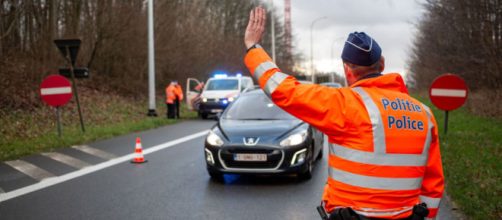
(462, 37)
(193, 38)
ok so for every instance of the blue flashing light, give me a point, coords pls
(239, 74)
(225, 102)
(220, 75)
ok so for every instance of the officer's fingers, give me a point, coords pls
(257, 17)
(264, 17)
(251, 18)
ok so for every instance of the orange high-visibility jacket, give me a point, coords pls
(178, 92)
(384, 149)
(173, 92)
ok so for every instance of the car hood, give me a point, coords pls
(269, 131)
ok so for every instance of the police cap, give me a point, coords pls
(361, 49)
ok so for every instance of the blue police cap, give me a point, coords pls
(361, 49)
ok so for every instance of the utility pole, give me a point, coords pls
(151, 63)
(273, 28)
(332, 75)
(287, 26)
(312, 47)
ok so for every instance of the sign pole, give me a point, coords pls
(445, 122)
(58, 118)
(72, 72)
(56, 91)
(448, 92)
(69, 49)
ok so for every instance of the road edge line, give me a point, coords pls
(59, 179)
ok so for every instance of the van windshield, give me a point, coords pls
(223, 84)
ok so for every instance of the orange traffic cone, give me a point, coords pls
(138, 152)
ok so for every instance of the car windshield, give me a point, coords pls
(255, 107)
(223, 84)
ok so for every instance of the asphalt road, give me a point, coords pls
(173, 184)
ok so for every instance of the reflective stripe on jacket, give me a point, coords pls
(384, 149)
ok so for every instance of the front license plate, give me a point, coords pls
(250, 157)
(216, 110)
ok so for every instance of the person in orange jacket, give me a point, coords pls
(174, 95)
(384, 160)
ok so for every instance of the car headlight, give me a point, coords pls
(214, 139)
(294, 139)
(204, 99)
(231, 99)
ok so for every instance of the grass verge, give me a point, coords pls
(32, 131)
(472, 162)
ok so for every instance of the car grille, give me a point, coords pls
(215, 99)
(274, 158)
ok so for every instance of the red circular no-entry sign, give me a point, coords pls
(55, 90)
(448, 92)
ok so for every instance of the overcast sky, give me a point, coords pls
(390, 22)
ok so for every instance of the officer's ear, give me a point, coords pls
(382, 64)
(346, 69)
(350, 77)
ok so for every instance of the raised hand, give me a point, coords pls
(256, 26)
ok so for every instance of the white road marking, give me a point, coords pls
(1, 191)
(55, 91)
(30, 169)
(449, 92)
(56, 180)
(95, 152)
(70, 161)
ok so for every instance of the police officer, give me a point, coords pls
(170, 100)
(174, 96)
(384, 150)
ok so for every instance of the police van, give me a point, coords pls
(216, 94)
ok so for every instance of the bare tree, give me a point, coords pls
(462, 37)
(194, 38)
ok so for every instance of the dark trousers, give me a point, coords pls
(177, 102)
(171, 108)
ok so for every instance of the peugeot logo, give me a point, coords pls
(250, 141)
